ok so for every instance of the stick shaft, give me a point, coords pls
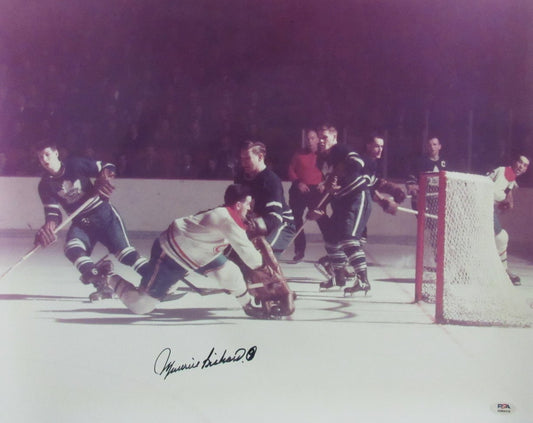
(410, 211)
(301, 228)
(64, 223)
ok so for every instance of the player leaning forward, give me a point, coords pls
(504, 178)
(352, 181)
(196, 243)
(67, 185)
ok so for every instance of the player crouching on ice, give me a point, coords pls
(197, 243)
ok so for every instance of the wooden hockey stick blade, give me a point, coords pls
(56, 230)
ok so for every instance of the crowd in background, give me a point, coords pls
(163, 96)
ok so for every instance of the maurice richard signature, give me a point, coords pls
(164, 365)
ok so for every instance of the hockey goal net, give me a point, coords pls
(457, 265)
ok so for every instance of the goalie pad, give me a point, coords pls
(268, 285)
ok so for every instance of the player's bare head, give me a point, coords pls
(239, 198)
(328, 137)
(520, 164)
(433, 147)
(44, 143)
(253, 155)
(311, 139)
(374, 146)
(48, 156)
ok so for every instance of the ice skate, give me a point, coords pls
(324, 266)
(98, 276)
(361, 284)
(338, 279)
(515, 279)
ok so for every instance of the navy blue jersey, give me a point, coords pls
(269, 198)
(373, 171)
(425, 164)
(70, 188)
(349, 168)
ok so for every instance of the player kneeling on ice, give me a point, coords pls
(197, 243)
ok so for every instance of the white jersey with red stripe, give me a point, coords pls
(194, 241)
(504, 181)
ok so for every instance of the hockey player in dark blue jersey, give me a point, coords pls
(352, 182)
(272, 216)
(67, 185)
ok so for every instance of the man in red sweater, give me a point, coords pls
(303, 193)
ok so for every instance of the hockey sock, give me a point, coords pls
(502, 239)
(76, 252)
(336, 256)
(130, 257)
(356, 255)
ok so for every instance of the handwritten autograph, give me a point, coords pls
(165, 366)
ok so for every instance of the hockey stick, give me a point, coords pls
(415, 212)
(56, 230)
(202, 291)
(317, 207)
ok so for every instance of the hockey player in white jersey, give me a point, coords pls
(196, 244)
(504, 178)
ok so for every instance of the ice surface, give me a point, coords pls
(378, 358)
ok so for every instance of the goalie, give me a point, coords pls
(196, 244)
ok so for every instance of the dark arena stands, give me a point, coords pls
(169, 89)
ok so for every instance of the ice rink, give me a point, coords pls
(378, 358)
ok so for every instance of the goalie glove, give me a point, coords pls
(46, 235)
(102, 185)
(256, 227)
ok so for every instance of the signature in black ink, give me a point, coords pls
(164, 366)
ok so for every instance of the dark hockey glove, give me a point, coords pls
(315, 214)
(46, 235)
(388, 205)
(393, 189)
(412, 188)
(331, 184)
(103, 184)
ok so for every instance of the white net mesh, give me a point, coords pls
(476, 288)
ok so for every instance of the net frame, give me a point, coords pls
(457, 265)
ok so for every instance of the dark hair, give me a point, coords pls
(235, 193)
(256, 147)
(516, 156)
(373, 136)
(44, 143)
